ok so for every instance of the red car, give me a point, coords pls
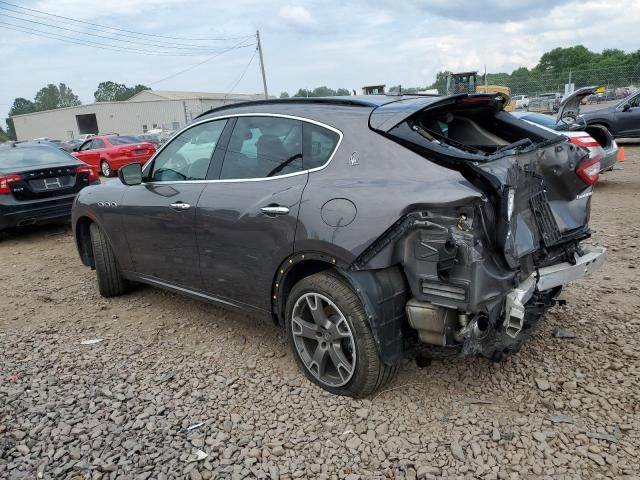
(110, 152)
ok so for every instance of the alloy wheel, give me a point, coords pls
(106, 170)
(323, 339)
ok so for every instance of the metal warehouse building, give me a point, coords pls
(147, 110)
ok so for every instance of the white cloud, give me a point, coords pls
(338, 44)
(296, 17)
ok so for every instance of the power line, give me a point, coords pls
(138, 42)
(89, 43)
(198, 64)
(121, 29)
(243, 73)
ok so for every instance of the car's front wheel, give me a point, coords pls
(110, 282)
(330, 337)
(105, 168)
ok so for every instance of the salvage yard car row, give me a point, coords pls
(363, 226)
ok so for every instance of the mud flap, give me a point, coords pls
(384, 294)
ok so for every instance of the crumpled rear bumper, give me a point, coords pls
(556, 275)
(548, 278)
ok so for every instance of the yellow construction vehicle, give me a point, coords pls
(467, 82)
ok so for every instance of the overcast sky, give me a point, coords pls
(306, 43)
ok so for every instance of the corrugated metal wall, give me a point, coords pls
(120, 117)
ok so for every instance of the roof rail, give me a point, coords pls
(345, 101)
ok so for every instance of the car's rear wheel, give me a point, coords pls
(105, 168)
(330, 337)
(110, 282)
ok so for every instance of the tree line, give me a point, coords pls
(54, 96)
(318, 92)
(611, 67)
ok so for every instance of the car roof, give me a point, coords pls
(369, 102)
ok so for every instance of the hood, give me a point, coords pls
(570, 105)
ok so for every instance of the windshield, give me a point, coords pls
(124, 140)
(19, 157)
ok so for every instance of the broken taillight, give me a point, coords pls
(92, 175)
(589, 170)
(584, 141)
(6, 181)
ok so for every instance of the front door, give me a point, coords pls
(246, 221)
(159, 214)
(89, 152)
(629, 120)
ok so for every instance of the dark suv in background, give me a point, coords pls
(362, 225)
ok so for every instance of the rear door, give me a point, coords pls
(159, 215)
(246, 220)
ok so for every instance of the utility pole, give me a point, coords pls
(264, 77)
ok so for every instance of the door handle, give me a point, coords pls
(275, 210)
(180, 206)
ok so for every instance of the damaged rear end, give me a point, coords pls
(482, 274)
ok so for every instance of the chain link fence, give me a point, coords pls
(618, 80)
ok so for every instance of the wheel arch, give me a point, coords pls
(383, 293)
(83, 241)
(601, 123)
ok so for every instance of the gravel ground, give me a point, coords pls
(567, 406)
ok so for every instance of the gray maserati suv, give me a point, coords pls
(363, 226)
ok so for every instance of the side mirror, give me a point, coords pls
(76, 149)
(626, 107)
(131, 174)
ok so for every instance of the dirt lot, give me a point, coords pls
(562, 408)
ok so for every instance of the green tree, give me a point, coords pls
(323, 91)
(20, 106)
(3, 136)
(284, 95)
(441, 82)
(560, 59)
(116, 92)
(52, 96)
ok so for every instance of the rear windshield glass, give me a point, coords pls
(32, 156)
(544, 120)
(124, 140)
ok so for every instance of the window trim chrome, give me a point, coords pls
(239, 180)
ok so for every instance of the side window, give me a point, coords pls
(188, 155)
(319, 144)
(96, 143)
(262, 147)
(86, 146)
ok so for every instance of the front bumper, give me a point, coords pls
(610, 158)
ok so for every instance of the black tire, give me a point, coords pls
(110, 281)
(369, 373)
(105, 169)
